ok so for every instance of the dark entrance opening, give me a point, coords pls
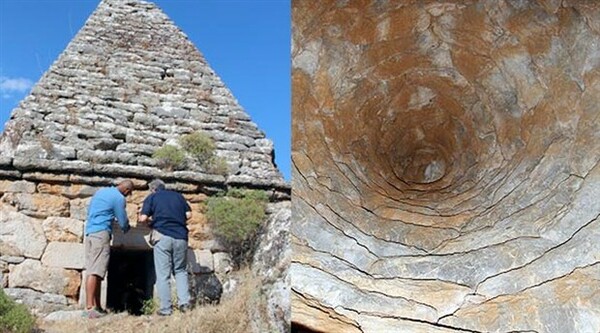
(130, 280)
(298, 328)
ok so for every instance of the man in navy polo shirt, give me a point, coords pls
(169, 212)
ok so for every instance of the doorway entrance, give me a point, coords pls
(130, 280)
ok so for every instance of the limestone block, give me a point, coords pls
(11, 259)
(78, 208)
(10, 174)
(63, 229)
(45, 177)
(38, 204)
(73, 191)
(63, 315)
(134, 239)
(5, 161)
(223, 262)
(19, 186)
(64, 255)
(200, 261)
(20, 235)
(32, 274)
(38, 302)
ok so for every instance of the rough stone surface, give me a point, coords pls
(129, 82)
(64, 255)
(63, 229)
(65, 315)
(200, 261)
(445, 166)
(270, 264)
(20, 235)
(38, 302)
(21, 186)
(207, 288)
(223, 262)
(32, 274)
(37, 204)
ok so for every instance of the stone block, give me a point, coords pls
(32, 274)
(20, 235)
(19, 186)
(200, 261)
(64, 255)
(132, 240)
(78, 208)
(223, 262)
(38, 204)
(72, 192)
(45, 177)
(36, 301)
(63, 229)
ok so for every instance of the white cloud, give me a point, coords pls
(17, 84)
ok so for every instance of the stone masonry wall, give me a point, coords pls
(42, 219)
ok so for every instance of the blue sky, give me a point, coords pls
(246, 42)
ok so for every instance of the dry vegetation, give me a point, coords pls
(230, 316)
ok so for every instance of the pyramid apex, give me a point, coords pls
(129, 82)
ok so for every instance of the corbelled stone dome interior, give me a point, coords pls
(446, 173)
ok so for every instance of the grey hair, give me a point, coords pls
(156, 185)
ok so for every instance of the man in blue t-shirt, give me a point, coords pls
(106, 205)
(169, 212)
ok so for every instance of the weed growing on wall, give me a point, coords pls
(199, 146)
(169, 157)
(236, 219)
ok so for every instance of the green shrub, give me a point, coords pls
(169, 157)
(200, 147)
(236, 219)
(218, 166)
(149, 306)
(14, 317)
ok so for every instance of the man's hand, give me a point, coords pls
(143, 218)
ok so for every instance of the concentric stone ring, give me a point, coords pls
(446, 174)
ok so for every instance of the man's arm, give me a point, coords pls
(121, 214)
(146, 212)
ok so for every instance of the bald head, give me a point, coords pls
(125, 187)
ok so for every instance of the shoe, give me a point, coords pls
(93, 313)
(184, 308)
(102, 311)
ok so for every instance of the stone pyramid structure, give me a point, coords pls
(128, 83)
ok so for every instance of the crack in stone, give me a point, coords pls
(372, 292)
(542, 255)
(314, 300)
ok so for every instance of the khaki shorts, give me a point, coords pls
(97, 253)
